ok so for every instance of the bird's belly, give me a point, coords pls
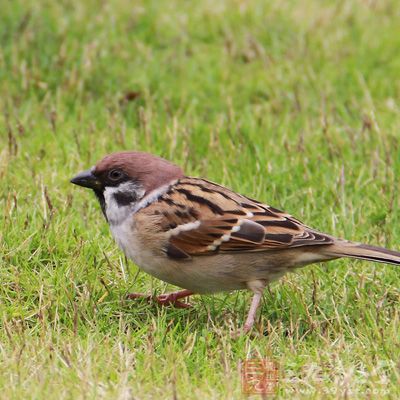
(201, 274)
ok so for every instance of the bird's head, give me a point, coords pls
(121, 180)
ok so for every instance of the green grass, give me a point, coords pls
(294, 103)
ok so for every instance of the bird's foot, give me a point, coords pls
(165, 299)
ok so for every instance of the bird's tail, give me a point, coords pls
(364, 252)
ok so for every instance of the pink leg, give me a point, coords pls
(252, 312)
(166, 299)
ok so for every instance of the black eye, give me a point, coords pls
(115, 174)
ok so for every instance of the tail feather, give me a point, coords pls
(365, 252)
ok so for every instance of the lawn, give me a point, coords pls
(296, 104)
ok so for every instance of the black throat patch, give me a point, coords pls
(100, 197)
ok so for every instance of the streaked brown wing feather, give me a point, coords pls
(229, 222)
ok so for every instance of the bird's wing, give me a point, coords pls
(202, 218)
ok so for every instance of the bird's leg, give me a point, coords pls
(257, 287)
(166, 299)
(251, 316)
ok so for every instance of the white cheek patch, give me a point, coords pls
(126, 187)
(116, 211)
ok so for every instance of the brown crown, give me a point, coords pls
(151, 171)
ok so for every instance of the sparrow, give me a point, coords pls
(204, 237)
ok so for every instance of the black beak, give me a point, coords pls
(86, 179)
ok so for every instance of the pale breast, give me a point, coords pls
(126, 237)
(146, 256)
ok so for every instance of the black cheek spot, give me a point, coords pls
(124, 198)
